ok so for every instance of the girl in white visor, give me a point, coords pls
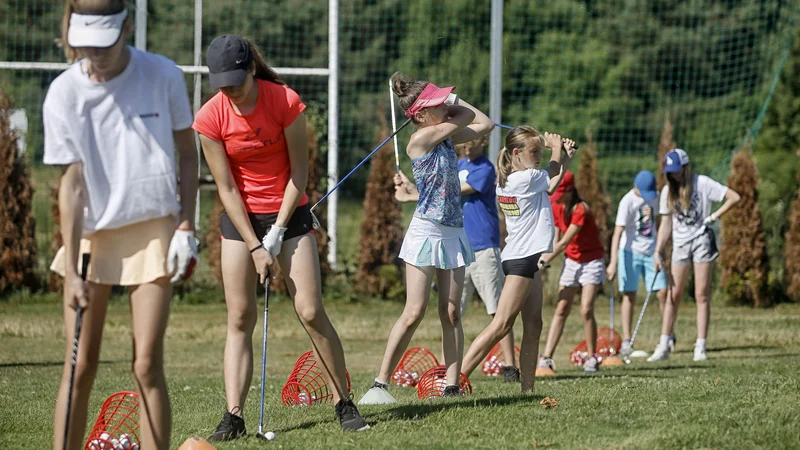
(114, 121)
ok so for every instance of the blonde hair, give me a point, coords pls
(99, 7)
(522, 137)
(680, 194)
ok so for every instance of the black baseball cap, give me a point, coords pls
(228, 60)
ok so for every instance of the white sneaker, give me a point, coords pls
(700, 353)
(659, 354)
(591, 365)
(626, 348)
(672, 342)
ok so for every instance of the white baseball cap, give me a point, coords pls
(100, 31)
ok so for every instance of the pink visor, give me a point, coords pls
(432, 95)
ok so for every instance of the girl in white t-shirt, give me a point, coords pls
(523, 195)
(685, 209)
(114, 121)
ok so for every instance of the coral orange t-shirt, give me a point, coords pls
(254, 143)
(585, 246)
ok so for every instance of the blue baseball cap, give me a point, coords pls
(675, 160)
(645, 181)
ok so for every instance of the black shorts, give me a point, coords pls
(299, 224)
(523, 267)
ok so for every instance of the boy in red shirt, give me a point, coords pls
(584, 269)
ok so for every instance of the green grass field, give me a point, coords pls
(745, 396)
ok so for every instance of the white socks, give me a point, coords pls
(700, 343)
(664, 342)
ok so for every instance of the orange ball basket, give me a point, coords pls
(433, 382)
(608, 343)
(415, 362)
(495, 361)
(117, 423)
(306, 384)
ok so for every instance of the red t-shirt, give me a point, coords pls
(254, 143)
(585, 246)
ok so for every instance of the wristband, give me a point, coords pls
(256, 248)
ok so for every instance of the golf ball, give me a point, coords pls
(270, 436)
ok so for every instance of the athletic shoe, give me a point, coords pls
(700, 353)
(659, 354)
(231, 427)
(510, 374)
(546, 367)
(451, 391)
(378, 384)
(591, 365)
(348, 415)
(672, 342)
(626, 348)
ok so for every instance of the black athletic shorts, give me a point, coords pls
(523, 267)
(299, 224)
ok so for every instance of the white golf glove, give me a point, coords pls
(273, 240)
(182, 255)
(452, 99)
(709, 220)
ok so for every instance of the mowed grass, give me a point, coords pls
(745, 396)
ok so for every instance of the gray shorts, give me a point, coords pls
(485, 276)
(702, 249)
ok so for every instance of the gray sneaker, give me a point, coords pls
(626, 348)
(591, 365)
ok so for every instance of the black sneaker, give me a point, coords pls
(451, 391)
(231, 427)
(510, 374)
(348, 414)
(378, 384)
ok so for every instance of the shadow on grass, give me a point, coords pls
(741, 347)
(51, 363)
(423, 408)
(603, 375)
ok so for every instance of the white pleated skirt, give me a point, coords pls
(428, 243)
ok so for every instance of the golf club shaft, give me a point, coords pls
(361, 163)
(264, 355)
(644, 308)
(394, 128)
(74, 360)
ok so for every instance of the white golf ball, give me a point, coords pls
(270, 436)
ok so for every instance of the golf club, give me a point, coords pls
(394, 128)
(261, 434)
(641, 315)
(74, 361)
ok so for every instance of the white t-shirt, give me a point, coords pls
(687, 225)
(529, 217)
(639, 219)
(121, 131)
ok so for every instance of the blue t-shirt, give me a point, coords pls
(480, 208)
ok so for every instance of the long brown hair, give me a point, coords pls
(407, 89)
(263, 71)
(574, 200)
(522, 137)
(99, 7)
(680, 194)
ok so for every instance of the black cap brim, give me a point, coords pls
(227, 79)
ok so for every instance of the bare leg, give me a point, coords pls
(515, 294)
(702, 294)
(239, 279)
(418, 288)
(680, 275)
(587, 313)
(85, 369)
(450, 284)
(565, 296)
(150, 312)
(531, 333)
(628, 300)
(507, 346)
(300, 261)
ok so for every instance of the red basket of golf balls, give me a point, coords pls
(117, 425)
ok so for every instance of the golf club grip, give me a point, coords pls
(75, 341)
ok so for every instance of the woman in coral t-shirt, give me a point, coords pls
(584, 268)
(253, 134)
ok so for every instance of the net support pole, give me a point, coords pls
(333, 125)
(141, 25)
(197, 94)
(496, 77)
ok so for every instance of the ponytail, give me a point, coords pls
(504, 168)
(263, 71)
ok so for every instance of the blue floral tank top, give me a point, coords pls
(436, 175)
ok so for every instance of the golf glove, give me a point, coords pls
(709, 220)
(273, 240)
(182, 255)
(451, 99)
